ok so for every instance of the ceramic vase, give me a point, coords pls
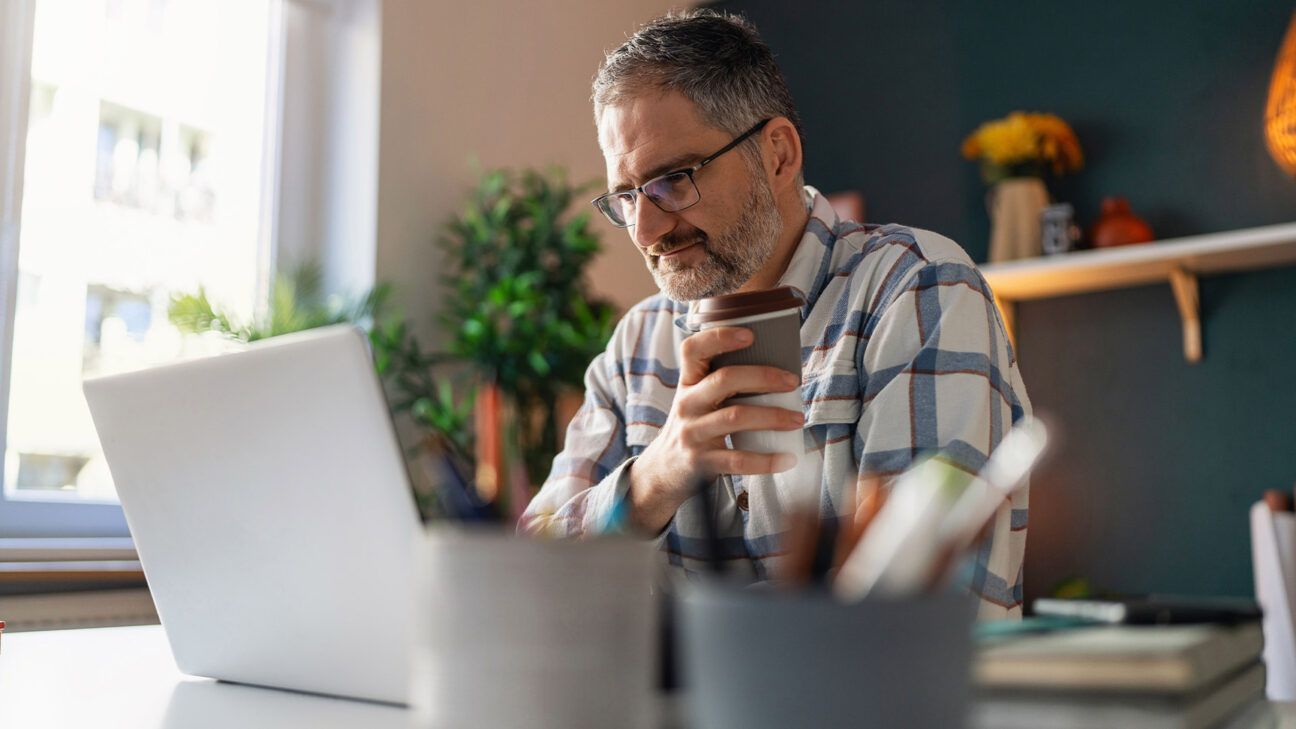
(1015, 205)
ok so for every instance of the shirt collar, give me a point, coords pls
(808, 262)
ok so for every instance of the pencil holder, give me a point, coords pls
(535, 634)
(769, 659)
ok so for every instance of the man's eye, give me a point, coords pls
(677, 180)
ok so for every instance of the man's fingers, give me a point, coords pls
(726, 382)
(746, 463)
(697, 351)
(740, 418)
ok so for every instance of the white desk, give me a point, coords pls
(125, 677)
(111, 678)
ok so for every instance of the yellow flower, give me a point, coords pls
(1024, 138)
(1061, 147)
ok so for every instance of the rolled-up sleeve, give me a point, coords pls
(588, 478)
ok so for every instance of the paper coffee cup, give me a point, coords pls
(774, 317)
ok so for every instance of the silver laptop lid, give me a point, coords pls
(270, 506)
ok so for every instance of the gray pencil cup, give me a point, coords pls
(535, 634)
(767, 659)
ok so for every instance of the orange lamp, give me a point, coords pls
(1280, 111)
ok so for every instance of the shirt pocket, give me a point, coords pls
(831, 394)
(832, 409)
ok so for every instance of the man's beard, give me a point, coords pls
(732, 257)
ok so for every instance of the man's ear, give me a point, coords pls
(782, 153)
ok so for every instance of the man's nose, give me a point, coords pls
(651, 223)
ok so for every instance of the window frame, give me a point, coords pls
(53, 515)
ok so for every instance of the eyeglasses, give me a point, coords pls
(672, 192)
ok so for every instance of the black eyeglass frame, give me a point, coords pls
(602, 202)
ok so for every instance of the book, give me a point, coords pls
(1132, 658)
(1234, 701)
(1153, 610)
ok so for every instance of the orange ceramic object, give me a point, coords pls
(1118, 225)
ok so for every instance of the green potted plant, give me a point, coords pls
(520, 320)
(297, 302)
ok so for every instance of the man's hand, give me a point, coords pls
(691, 444)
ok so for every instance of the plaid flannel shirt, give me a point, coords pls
(903, 353)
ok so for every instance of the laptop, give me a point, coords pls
(269, 502)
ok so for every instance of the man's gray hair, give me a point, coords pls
(716, 60)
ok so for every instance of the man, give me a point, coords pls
(903, 350)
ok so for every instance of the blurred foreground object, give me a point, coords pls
(934, 515)
(535, 634)
(772, 659)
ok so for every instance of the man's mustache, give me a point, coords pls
(676, 241)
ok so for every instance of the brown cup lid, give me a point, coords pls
(749, 303)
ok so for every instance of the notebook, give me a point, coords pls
(1148, 658)
(1235, 701)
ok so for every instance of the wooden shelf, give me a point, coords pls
(1177, 262)
(92, 572)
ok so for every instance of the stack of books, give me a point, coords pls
(1094, 675)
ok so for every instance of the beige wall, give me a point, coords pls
(496, 83)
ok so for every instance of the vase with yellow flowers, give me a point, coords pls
(1015, 153)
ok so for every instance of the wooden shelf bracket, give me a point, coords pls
(1184, 285)
(1008, 312)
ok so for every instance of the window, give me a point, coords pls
(127, 159)
(145, 146)
(144, 162)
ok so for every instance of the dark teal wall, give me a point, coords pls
(1160, 459)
